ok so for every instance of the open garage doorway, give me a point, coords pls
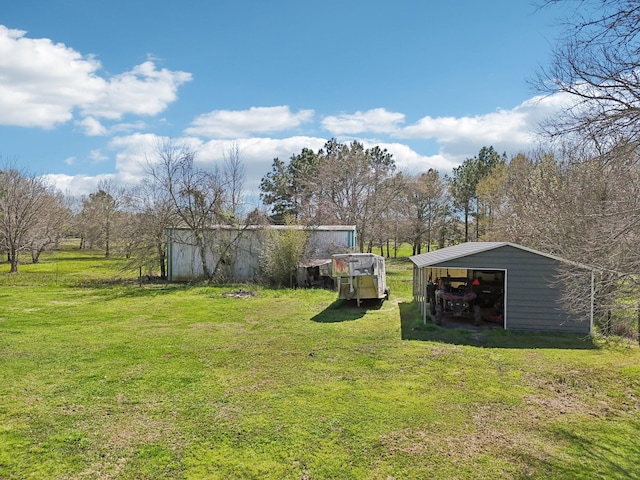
(467, 297)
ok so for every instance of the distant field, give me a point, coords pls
(107, 378)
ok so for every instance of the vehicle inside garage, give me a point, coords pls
(466, 296)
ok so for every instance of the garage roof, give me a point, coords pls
(470, 248)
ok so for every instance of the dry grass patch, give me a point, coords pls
(502, 440)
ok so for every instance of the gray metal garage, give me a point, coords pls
(531, 295)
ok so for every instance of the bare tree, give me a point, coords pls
(533, 210)
(129, 234)
(198, 198)
(25, 203)
(353, 186)
(154, 214)
(51, 225)
(386, 186)
(100, 212)
(341, 183)
(596, 63)
(234, 177)
(492, 195)
(603, 196)
(583, 209)
(424, 197)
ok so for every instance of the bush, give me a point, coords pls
(283, 249)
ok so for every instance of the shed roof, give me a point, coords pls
(471, 248)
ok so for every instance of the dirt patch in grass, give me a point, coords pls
(564, 392)
(463, 447)
(560, 404)
(125, 427)
(241, 293)
(504, 435)
(135, 429)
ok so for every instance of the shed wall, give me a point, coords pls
(242, 249)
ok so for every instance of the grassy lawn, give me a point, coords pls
(103, 378)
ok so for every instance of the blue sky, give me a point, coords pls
(87, 87)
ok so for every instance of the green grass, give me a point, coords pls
(105, 379)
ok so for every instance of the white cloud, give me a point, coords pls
(510, 131)
(257, 154)
(408, 160)
(378, 120)
(503, 125)
(141, 91)
(134, 151)
(231, 124)
(77, 185)
(455, 138)
(450, 140)
(132, 154)
(92, 127)
(44, 83)
(517, 126)
(97, 156)
(127, 127)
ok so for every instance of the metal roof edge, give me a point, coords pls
(492, 246)
(462, 253)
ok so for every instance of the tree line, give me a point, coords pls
(569, 205)
(341, 184)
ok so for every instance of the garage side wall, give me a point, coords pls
(533, 295)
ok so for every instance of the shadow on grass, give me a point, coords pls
(118, 289)
(346, 311)
(84, 258)
(413, 328)
(586, 462)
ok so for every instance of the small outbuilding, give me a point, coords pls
(237, 250)
(521, 285)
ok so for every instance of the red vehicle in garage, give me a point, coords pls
(457, 296)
